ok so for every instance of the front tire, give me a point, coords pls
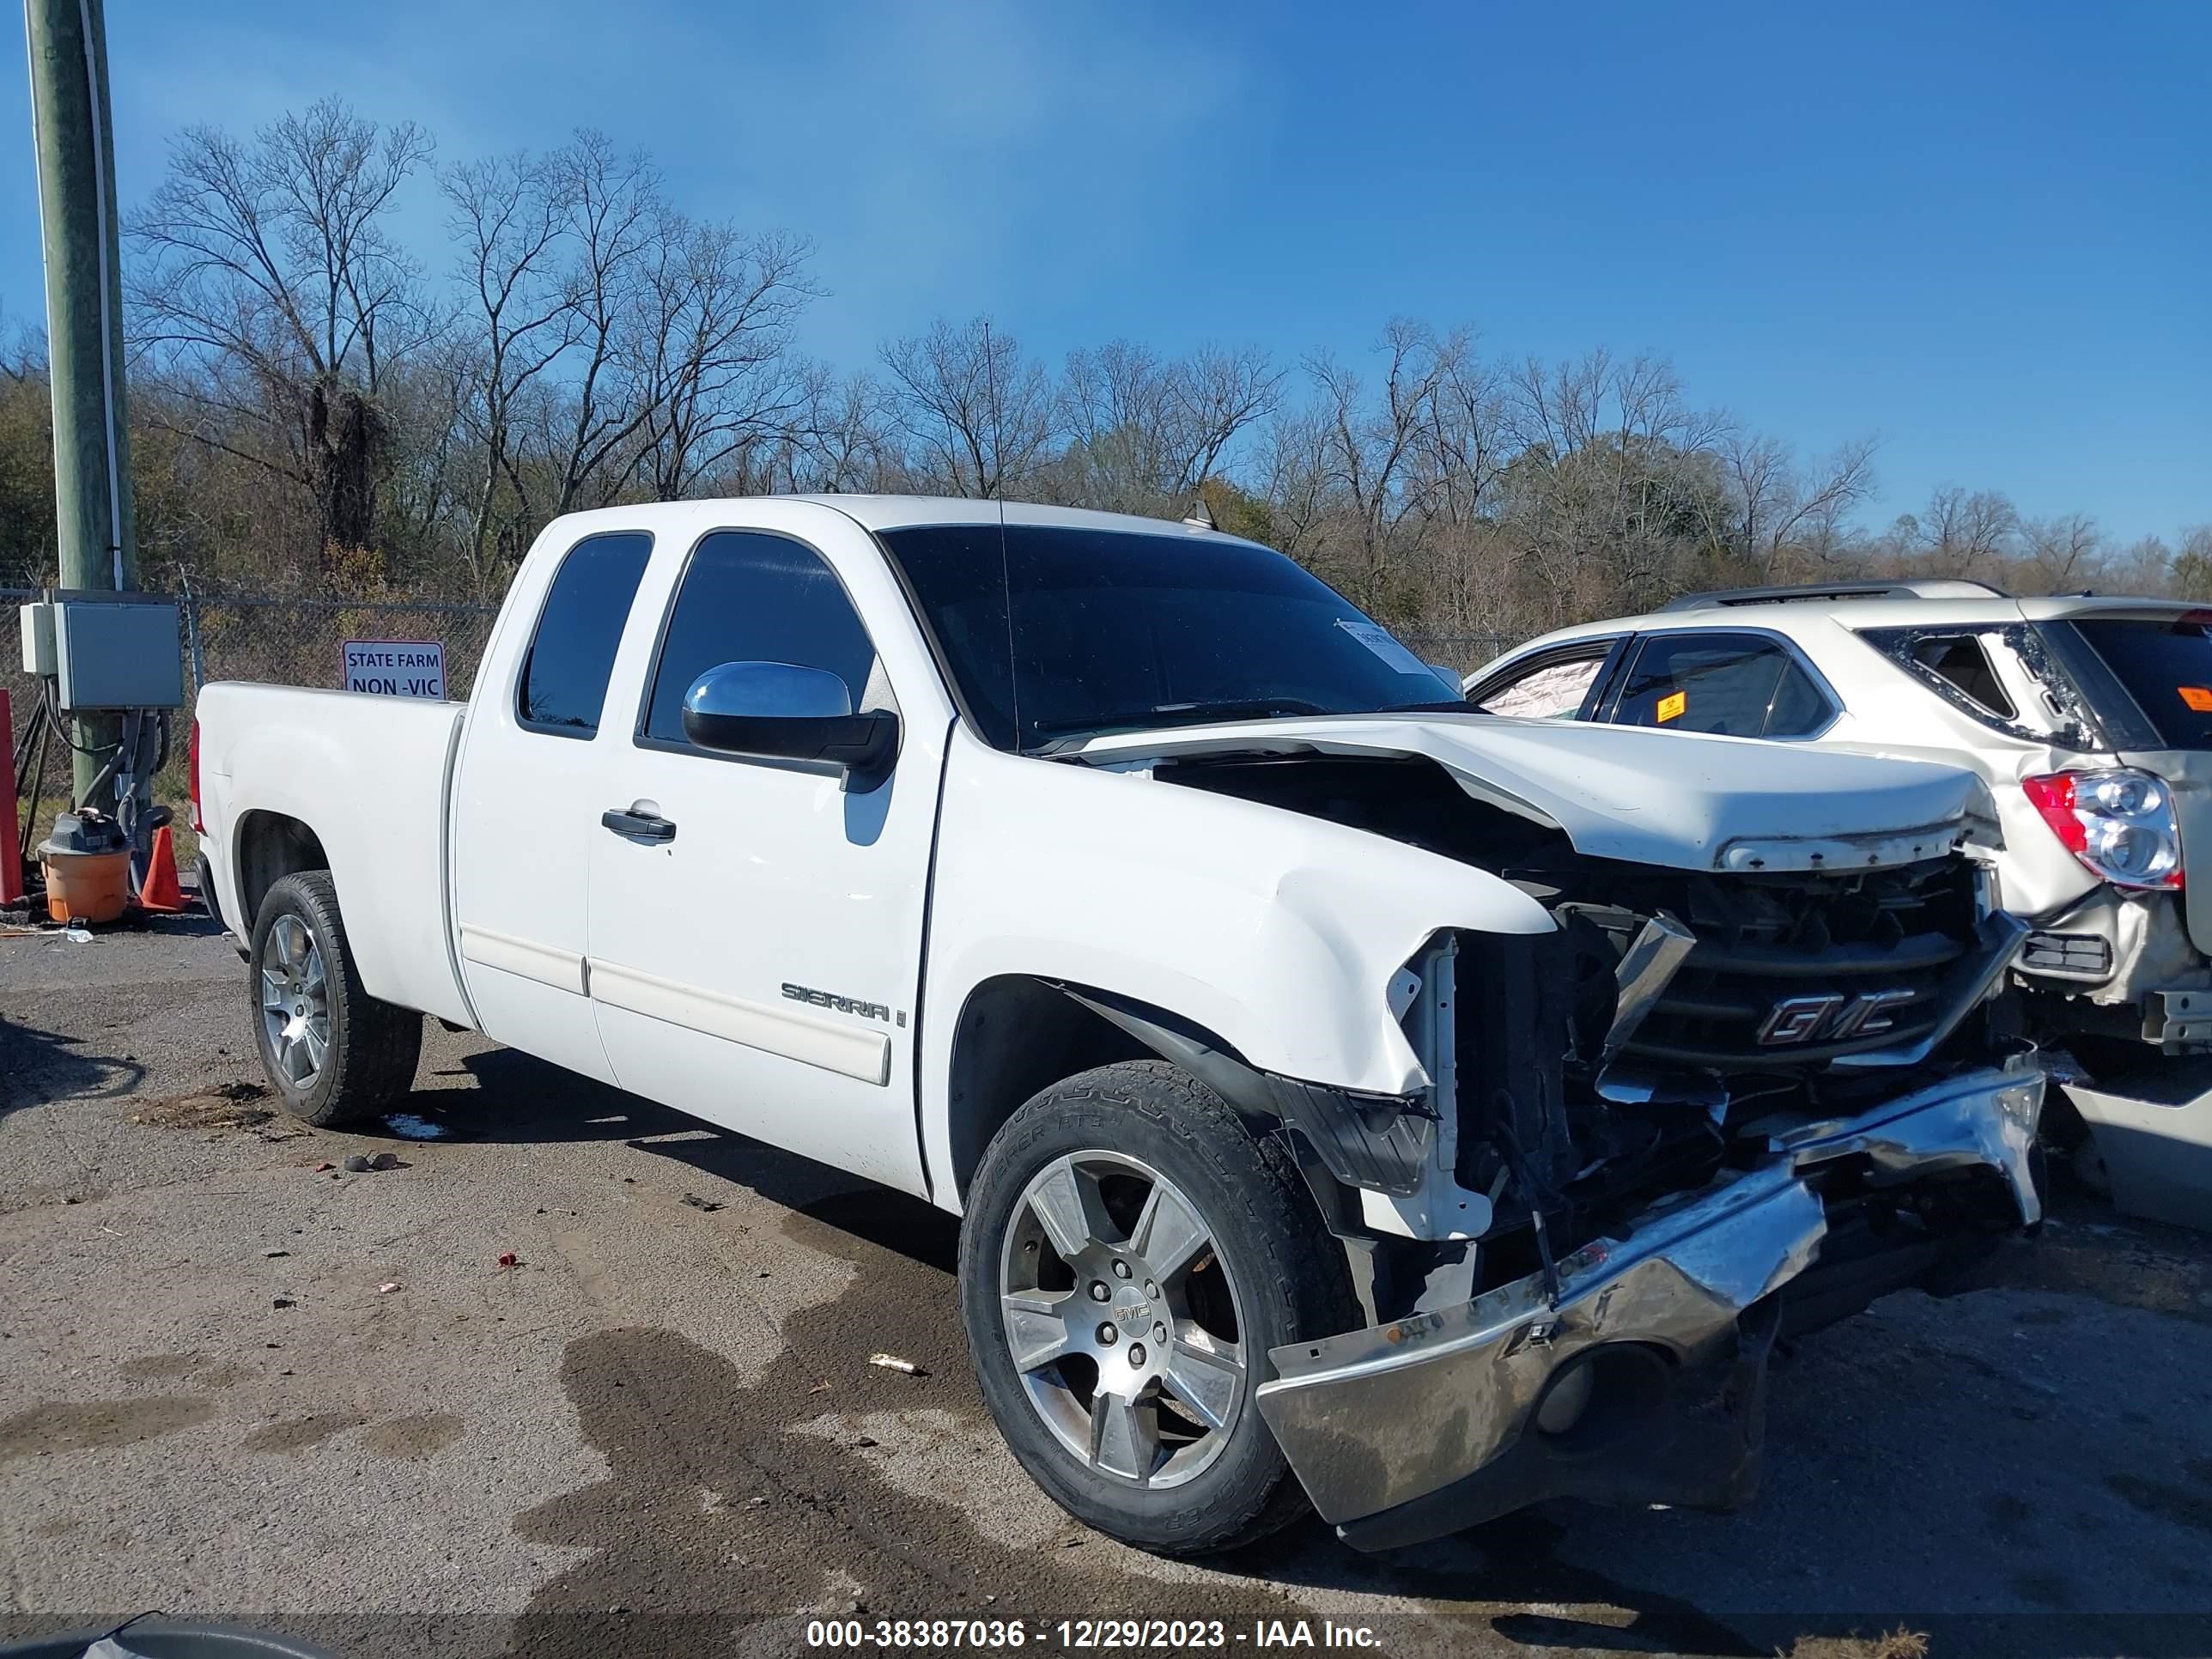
(1136, 1409)
(334, 1053)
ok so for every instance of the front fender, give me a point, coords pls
(1277, 931)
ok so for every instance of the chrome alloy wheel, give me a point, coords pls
(1122, 1320)
(295, 1002)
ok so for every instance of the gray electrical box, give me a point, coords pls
(116, 653)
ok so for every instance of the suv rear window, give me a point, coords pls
(2167, 667)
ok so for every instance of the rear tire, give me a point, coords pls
(1155, 1440)
(334, 1054)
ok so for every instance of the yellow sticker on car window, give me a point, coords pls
(2198, 697)
(1672, 705)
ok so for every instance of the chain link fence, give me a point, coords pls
(286, 642)
(279, 641)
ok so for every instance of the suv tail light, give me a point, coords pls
(192, 777)
(2120, 824)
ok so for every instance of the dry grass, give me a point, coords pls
(229, 1107)
(1900, 1643)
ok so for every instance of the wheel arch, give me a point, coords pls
(1019, 1033)
(271, 846)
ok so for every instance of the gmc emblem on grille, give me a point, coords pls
(1833, 1017)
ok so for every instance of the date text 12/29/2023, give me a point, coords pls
(1084, 1634)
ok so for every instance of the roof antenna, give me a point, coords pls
(1199, 517)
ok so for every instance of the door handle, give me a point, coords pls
(638, 826)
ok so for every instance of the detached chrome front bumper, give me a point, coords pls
(1407, 1431)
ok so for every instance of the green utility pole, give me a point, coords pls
(84, 313)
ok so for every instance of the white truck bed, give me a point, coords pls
(389, 759)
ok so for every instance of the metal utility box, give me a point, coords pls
(38, 639)
(116, 653)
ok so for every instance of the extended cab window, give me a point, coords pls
(564, 676)
(1737, 686)
(1554, 687)
(750, 597)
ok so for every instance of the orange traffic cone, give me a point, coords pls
(161, 892)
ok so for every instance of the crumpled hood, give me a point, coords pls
(1673, 798)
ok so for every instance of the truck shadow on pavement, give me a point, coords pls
(37, 1066)
(1921, 1474)
(519, 1100)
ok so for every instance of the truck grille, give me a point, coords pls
(1790, 972)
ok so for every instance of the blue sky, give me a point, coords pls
(1981, 231)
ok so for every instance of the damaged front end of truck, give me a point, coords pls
(1744, 1085)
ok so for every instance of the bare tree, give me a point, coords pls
(1960, 533)
(1462, 446)
(1121, 407)
(2059, 554)
(269, 296)
(614, 212)
(1146, 432)
(1368, 450)
(509, 220)
(716, 370)
(1615, 485)
(617, 341)
(22, 352)
(981, 417)
(1295, 482)
(1460, 457)
(1776, 512)
(842, 441)
(2187, 573)
(433, 465)
(1218, 393)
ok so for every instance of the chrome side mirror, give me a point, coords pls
(779, 711)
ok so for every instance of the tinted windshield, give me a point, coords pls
(1061, 632)
(2167, 667)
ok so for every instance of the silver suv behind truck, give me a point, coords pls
(2089, 718)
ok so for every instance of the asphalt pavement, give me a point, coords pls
(237, 1384)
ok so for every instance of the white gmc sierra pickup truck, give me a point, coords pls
(1352, 1099)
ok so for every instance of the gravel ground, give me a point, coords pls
(658, 1432)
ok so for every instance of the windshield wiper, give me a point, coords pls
(1183, 714)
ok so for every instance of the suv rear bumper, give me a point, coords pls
(1407, 1431)
(2119, 965)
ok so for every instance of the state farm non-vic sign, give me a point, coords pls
(397, 668)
